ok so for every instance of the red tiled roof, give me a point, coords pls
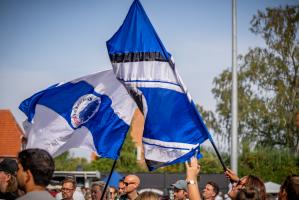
(10, 135)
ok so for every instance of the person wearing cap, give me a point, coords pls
(8, 180)
(180, 190)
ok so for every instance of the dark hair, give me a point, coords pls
(70, 180)
(40, 163)
(248, 193)
(291, 187)
(215, 187)
(258, 184)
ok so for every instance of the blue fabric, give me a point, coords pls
(136, 34)
(171, 117)
(107, 128)
(115, 178)
(170, 112)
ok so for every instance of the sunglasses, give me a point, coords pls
(126, 183)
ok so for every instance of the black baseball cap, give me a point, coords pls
(9, 165)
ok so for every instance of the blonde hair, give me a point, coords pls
(148, 196)
(12, 185)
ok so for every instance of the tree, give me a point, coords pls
(268, 83)
(65, 162)
(126, 162)
(268, 163)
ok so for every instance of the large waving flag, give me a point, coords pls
(173, 128)
(92, 112)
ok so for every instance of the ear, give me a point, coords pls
(214, 194)
(28, 176)
(7, 176)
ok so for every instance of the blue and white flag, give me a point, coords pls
(92, 112)
(173, 128)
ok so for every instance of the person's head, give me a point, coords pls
(211, 190)
(131, 183)
(258, 184)
(121, 187)
(248, 193)
(8, 170)
(112, 192)
(35, 168)
(289, 188)
(249, 181)
(148, 196)
(180, 191)
(68, 187)
(97, 191)
(83, 190)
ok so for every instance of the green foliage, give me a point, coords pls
(126, 162)
(210, 163)
(268, 83)
(65, 162)
(271, 164)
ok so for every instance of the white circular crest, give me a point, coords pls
(84, 109)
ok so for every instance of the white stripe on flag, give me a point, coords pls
(145, 70)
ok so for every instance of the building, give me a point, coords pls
(10, 135)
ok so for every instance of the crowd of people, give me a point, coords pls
(28, 178)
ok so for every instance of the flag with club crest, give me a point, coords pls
(92, 112)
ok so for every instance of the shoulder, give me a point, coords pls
(37, 195)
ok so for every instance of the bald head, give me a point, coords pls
(133, 179)
(131, 184)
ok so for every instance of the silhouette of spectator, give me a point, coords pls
(180, 190)
(121, 188)
(35, 170)
(112, 192)
(131, 184)
(246, 181)
(68, 188)
(8, 179)
(289, 188)
(210, 191)
(148, 196)
(97, 189)
(248, 193)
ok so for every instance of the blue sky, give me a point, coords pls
(43, 42)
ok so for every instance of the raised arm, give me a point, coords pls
(192, 171)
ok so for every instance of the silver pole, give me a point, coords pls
(234, 133)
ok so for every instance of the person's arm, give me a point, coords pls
(192, 170)
(230, 174)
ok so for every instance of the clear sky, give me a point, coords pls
(43, 42)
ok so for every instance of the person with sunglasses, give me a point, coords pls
(131, 183)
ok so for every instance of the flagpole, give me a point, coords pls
(234, 105)
(109, 177)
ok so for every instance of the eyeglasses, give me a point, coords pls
(67, 189)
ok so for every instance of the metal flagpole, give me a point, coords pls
(234, 105)
(109, 177)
